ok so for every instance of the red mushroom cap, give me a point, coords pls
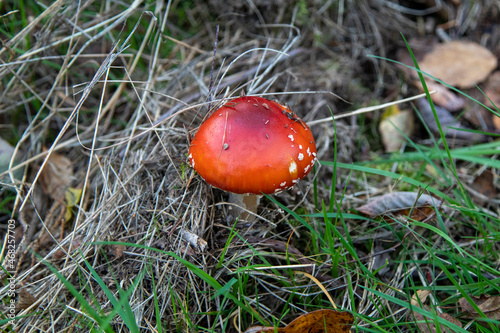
(253, 145)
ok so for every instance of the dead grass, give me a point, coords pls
(119, 89)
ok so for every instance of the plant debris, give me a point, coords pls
(319, 321)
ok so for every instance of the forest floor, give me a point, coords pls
(106, 227)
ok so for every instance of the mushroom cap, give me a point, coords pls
(253, 145)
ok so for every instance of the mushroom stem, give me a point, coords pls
(246, 205)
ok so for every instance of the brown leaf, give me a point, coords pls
(25, 300)
(492, 90)
(401, 203)
(118, 250)
(56, 176)
(460, 64)
(314, 322)
(492, 99)
(59, 253)
(443, 97)
(496, 122)
(489, 305)
(484, 185)
(420, 47)
(427, 325)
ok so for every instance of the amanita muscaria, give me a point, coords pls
(252, 145)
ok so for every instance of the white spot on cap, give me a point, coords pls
(308, 151)
(301, 156)
(265, 106)
(292, 168)
(295, 181)
(306, 168)
(300, 146)
(291, 137)
(267, 121)
(314, 154)
(283, 184)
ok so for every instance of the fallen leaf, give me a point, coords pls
(118, 250)
(460, 64)
(443, 97)
(59, 253)
(401, 203)
(489, 305)
(25, 300)
(492, 98)
(425, 324)
(446, 120)
(194, 240)
(420, 47)
(73, 196)
(56, 176)
(381, 261)
(6, 153)
(492, 90)
(483, 184)
(394, 124)
(496, 121)
(319, 321)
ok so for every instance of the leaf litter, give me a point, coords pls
(319, 321)
(130, 158)
(401, 203)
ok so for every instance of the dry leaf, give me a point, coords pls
(25, 300)
(443, 97)
(489, 305)
(59, 253)
(393, 125)
(381, 262)
(118, 250)
(314, 322)
(73, 196)
(427, 325)
(194, 240)
(446, 120)
(492, 99)
(492, 90)
(56, 176)
(6, 153)
(401, 203)
(496, 121)
(484, 185)
(460, 64)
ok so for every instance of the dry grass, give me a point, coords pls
(118, 90)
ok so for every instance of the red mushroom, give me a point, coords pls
(252, 145)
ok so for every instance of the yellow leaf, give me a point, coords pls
(73, 196)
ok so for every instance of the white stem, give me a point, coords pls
(365, 110)
(247, 205)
